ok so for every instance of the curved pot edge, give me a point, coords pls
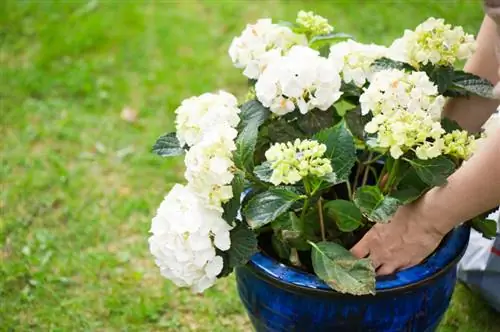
(328, 292)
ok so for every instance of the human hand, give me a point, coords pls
(404, 242)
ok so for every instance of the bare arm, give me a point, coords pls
(472, 112)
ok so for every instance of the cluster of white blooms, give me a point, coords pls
(184, 237)
(259, 44)
(459, 144)
(189, 226)
(198, 115)
(433, 42)
(291, 162)
(402, 131)
(302, 79)
(395, 90)
(209, 166)
(355, 59)
(313, 24)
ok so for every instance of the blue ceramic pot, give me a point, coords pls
(280, 298)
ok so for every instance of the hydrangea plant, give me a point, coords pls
(332, 137)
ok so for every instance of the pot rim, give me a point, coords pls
(444, 258)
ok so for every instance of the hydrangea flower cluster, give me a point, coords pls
(459, 144)
(314, 24)
(355, 59)
(291, 162)
(198, 115)
(185, 235)
(402, 131)
(302, 79)
(395, 90)
(259, 44)
(433, 42)
(188, 226)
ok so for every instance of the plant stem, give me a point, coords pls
(321, 221)
(304, 209)
(365, 176)
(358, 173)
(349, 189)
(392, 175)
(370, 160)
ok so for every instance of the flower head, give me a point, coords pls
(302, 79)
(259, 44)
(403, 131)
(314, 24)
(184, 239)
(395, 90)
(209, 167)
(433, 42)
(459, 144)
(355, 59)
(291, 162)
(198, 115)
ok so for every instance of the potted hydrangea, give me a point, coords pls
(332, 137)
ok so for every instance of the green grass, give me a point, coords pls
(79, 185)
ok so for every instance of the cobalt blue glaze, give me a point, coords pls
(280, 298)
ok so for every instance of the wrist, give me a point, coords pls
(432, 217)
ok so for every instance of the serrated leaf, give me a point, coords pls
(467, 84)
(434, 171)
(267, 206)
(253, 112)
(233, 205)
(291, 231)
(343, 272)
(340, 149)
(283, 131)
(280, 247)
(168, 146)
(487, 227)
(263, 171)
(374, 205)
(346, 214)
(243, 245)
(450, 125)
(385, 63)
(441, 76)
(315, 120)
(356, 122)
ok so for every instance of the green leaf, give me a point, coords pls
(340, 149)
(330, 37)
(469, 84)
(243, 245)
(345, 213)
(385, 63)
(263, 171)
(315, 120)
(442, 76)
(291, 231)
(233, 205)
(280, 247)
(410, 187)
(374, 205)
(406, 195)
(253, 112)
(267, 206)
(283, 131)
(433, 172)
(343, 272)
(356, 122)
(450, 125)
(487, 227)
(252, 115)
(167, 146)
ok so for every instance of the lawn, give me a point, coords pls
(79, 184)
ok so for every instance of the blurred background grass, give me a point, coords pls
(85, 88)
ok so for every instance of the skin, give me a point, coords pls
(417, 229)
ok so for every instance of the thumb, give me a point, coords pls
(361, 250)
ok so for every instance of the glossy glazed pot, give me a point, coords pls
(281, 298)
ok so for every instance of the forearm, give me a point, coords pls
(473, 189)
(472, 112)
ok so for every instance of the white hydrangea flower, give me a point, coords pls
(402, 131)
(185, 235)
(314, 24)
(209, 166)
(291, 162)
(459, 144)
(433, 42)
(355, 59)
(259, 44)
(198, 115)
(302, 79)
(395, 90)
